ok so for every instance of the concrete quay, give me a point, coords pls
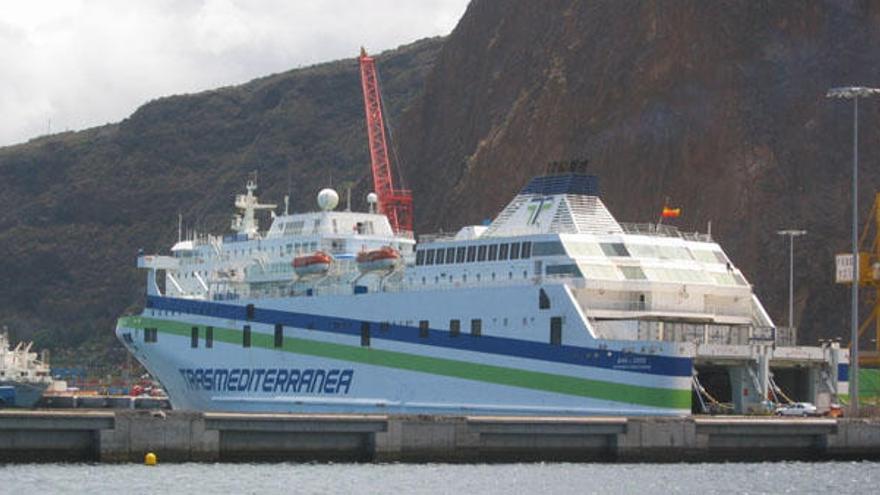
(181, 436)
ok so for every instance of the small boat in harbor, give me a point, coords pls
(23, 377)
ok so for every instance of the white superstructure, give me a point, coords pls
(24, 371)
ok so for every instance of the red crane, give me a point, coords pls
(396, 204)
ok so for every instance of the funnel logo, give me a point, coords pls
(537, 207)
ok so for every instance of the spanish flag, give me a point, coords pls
(670, 212)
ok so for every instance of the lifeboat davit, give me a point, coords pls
(317, 263)
(382, 259)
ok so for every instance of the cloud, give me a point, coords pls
(72, 64)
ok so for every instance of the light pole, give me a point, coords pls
(791, 233)
(854, 93)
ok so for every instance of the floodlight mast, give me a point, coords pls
(854, 93)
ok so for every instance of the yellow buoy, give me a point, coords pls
(150, 459)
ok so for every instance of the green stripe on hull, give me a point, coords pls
(535, 380)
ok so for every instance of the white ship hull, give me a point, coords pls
(322, 365)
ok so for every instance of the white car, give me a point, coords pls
(802, 409)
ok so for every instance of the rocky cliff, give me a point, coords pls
(718, 106)
(76, 207)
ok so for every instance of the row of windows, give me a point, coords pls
(288, 248)
(209, 336)
(619, 249)
(476, 330)
(524, 250)
(470, 254)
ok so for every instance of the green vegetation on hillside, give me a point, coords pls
(76, 207)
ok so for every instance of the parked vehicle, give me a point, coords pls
(802, 409)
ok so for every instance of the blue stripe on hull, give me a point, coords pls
(582, 356)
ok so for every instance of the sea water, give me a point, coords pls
(555, 478)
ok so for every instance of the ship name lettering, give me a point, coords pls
(272, 380)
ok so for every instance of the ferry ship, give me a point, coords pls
(553, 308)
(23, 376)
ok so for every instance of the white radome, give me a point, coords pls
(328, 199)
(372, 198)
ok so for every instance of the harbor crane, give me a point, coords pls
(868, 276)
(396, 204)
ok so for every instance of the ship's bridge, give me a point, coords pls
(331, 223)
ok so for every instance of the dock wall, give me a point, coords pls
(180, 436)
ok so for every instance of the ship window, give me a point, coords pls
(194, 337)
(642, 250)
(543, 300)
(335, 229)
(450, 255)
(476, 327)
(246, 336)
(705, 256)
(209, 337)
(441, 255)
(279, 335)
(454, 328)
(556, 330)
(459, 254)
(633, 273)
(549, 248)
(423, 329)
(249, 311)
(614, 249)
(481, 253)
(493, 252)
(420, 258)
(674, 253)
(429, 257)
(502, 252)
(724, 279)
(471, 253)
(151, 335)
(365, 334)
(514, 250)
(567, 270)
(606, 272)
(526, 250)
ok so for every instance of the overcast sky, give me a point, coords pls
(73, 64)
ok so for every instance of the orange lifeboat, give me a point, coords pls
(382, 259)
(317, 263)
